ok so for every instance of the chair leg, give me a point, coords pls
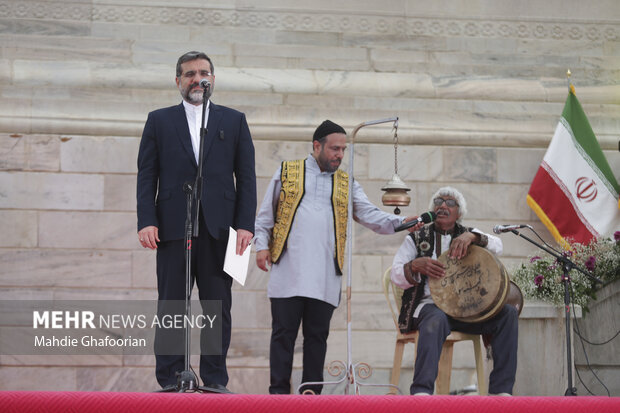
(482, 382)
(398, 359)
(445, 369)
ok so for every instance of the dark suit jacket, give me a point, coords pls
(166, 161)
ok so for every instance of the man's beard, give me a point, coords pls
(194, 96)
(326, 165)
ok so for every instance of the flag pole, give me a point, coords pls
(570, 87)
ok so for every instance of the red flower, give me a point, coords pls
(538, 280)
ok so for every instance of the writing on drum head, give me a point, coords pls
(466, 284)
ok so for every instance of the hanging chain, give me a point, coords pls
(396, 146)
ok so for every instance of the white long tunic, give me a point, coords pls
(306, 267)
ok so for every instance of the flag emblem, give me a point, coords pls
(585, 189)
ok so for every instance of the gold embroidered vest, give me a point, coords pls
(292, 178)
(340, 206)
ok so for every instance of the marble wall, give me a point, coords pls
(478, 88)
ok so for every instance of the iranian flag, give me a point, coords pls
(574, 192)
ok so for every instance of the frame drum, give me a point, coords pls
(475, 287)
(515, 297)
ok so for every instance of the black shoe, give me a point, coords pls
(216, 388)
(169, 388)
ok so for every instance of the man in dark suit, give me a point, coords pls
(168, 158)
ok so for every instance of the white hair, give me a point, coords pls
(449, 191)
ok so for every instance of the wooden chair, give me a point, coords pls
(393, 295)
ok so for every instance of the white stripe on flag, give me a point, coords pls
(568, 165)
(571, 198)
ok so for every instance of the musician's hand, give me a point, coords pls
(459, 246)
(263, 259)
(428, 266)
(416, 226)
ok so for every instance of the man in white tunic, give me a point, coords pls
(301, 234)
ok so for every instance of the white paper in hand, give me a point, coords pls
(236, 265)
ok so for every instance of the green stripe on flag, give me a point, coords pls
(584, 136)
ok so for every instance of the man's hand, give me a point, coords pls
(416, 226)
(244, 238)
(458, 248)
(428, 266)
(149, 237)
(263, 259)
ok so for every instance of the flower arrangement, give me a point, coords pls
(541, 277)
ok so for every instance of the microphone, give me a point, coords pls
(425, 217)
(204, 83)
(498, 229)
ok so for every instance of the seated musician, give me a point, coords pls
(416, 260)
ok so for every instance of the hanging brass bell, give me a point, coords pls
(395, 193)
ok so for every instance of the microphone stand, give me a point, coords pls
(186, 380)
(567, 266)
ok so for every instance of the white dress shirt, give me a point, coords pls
(193, 114)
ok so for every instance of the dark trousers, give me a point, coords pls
(287, 314)
(213, 284)
(434, 326)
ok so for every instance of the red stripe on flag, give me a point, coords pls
(558, 208)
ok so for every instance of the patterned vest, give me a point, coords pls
(292, 178)
(424, 241)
